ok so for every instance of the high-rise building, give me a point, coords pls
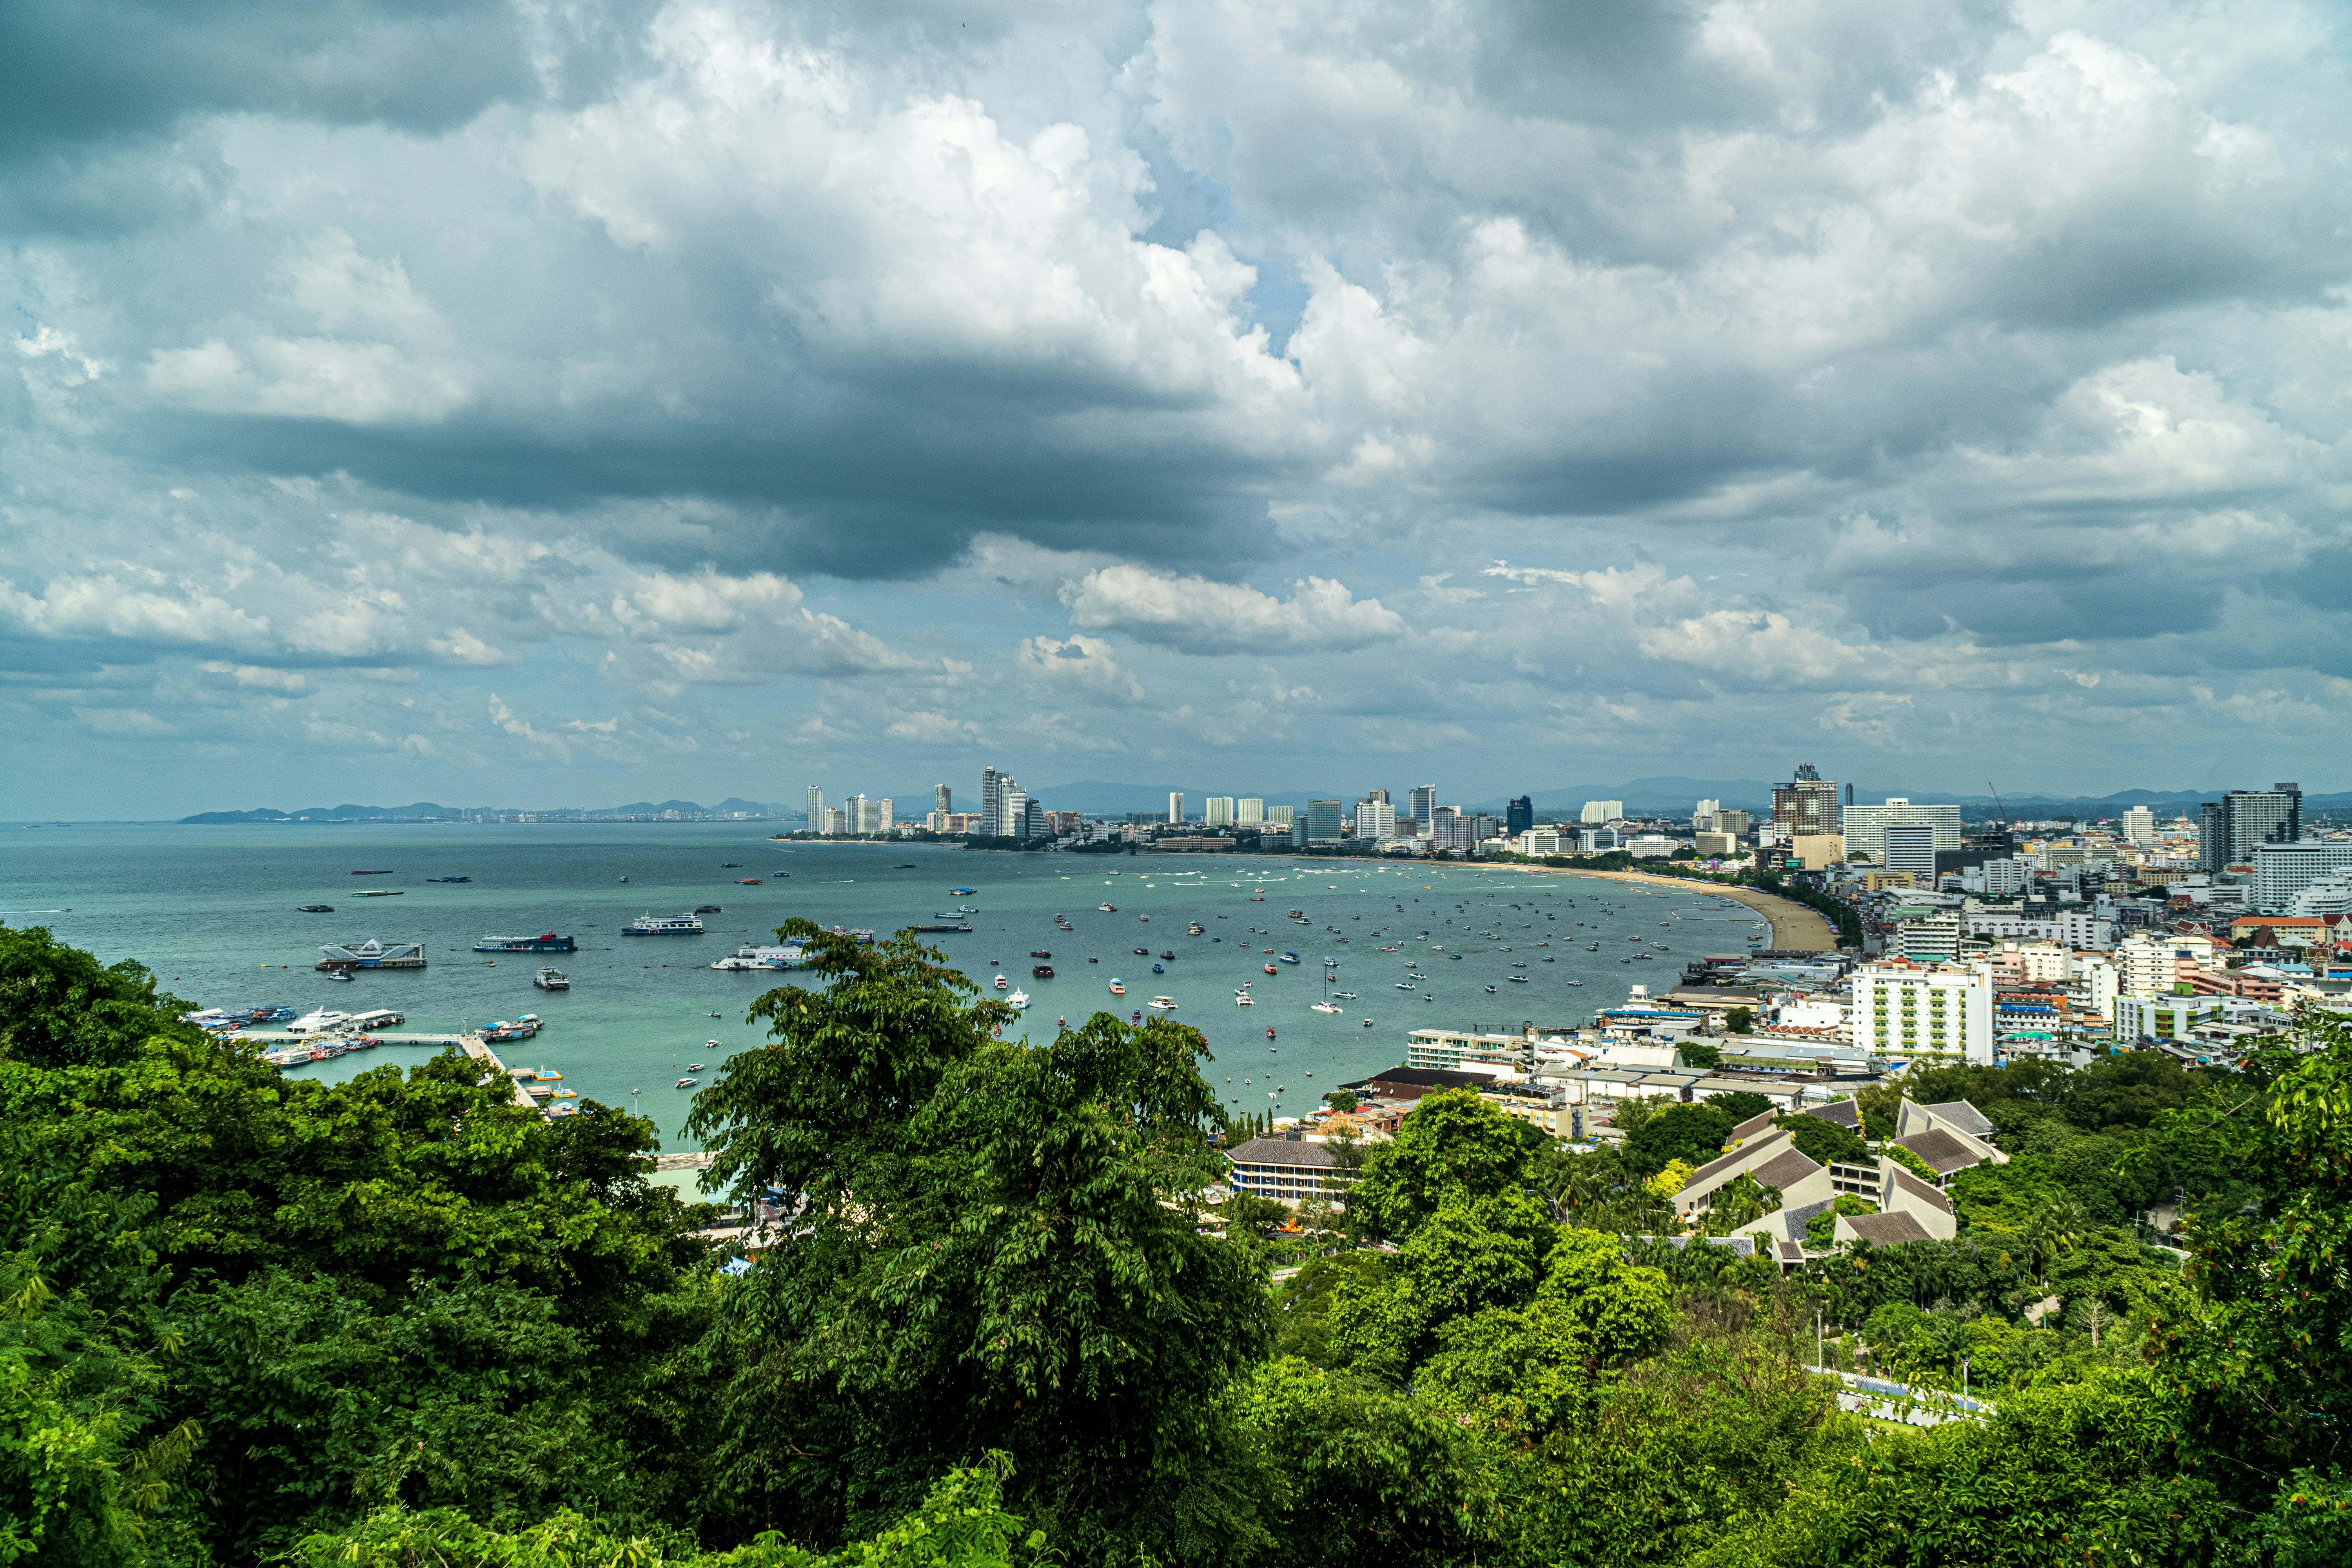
(889, 820)
(1703, 816)
(1375, 819)
(1904, 846)
(2231, 828)
(835, 821)
(1014, 806)
(1902, 1011)
(1808, 803)
(1217, 810)
(1866, 825)
(1175, 806)
(1250, 811)
(1731, 820)
(942, 800)
(864, 816)
(1322, 821)
(992, 809)
(2140, 827)
(1280, 816)
(1380, 795)
(1600, 811)
(1422, 799)
(1519, 816)
(2283, 870)
(817, 809)
(1034, 824)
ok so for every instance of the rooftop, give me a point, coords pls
(1282, 1152)
(1942, 1153)
(1887, 1229)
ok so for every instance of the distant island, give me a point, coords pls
(730, 809)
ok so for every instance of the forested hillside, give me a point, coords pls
(400, 1321)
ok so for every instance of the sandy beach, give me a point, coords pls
(1795, 928)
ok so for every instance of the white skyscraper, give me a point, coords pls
(1600, 811)
(1375, 819)
(1217, 810)
(1866, 825)
(1703, 816)
(834, 822)
(864, 816)
(817, 809)
(888, 821)
(1280, 816)
(1015, 821)
(1175, 805)
(942, 799)
(2140, 827)
(1250, 812)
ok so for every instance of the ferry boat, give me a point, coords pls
(372, 955)
(1018, 1001)
(667, 925)
(549, 942)
(521, 1028)
(1118, 987)
(321, 1022)
(750, 957)
(552, 980)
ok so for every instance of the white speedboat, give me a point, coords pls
(1162, 1003)
(1243, 999)
(1018, 1001)
(1000, 983)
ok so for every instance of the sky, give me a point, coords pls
(568, 402)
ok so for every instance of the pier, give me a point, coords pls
(468, 1041)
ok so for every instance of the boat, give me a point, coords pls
(940, 928)
(548, 943)
(385, 871)
(377, 893)
(708, 910)
(1041, 952)
(338, 974)
(1517, 979)
(1159, 969)
(1169, 954)
(685, 1082)
(1000, 983)
(372, 955)
(1162, 1003)
(316, 909)
(1289, 958)
(667, 925)
(321, 1022)
(521, 1028)
(552, 980)
(1344, 996)
(1196, 929)
(1018, 1001)
(749, 957)
(1328, 1007)
(1108, 909)
(1041, 971)
(1270, 969)
(1141, 951)
(449, 878)
(747, 881)
(1117, 987)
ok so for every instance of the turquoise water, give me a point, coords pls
(211, 910)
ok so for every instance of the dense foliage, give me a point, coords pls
(401, 1320)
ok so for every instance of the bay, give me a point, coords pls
(212, 911)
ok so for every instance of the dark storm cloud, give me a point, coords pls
(1509, 379)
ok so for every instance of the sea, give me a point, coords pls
(212, 911)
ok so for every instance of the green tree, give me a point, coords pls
(1341, 1099)
(1739, 1020)
(1454, 1142)
(1693, 1132)
(1702, 1055)
(1825, 1141)
(997, 1246)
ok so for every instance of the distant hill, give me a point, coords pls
(428, 811)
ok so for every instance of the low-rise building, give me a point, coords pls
(1287, 1169)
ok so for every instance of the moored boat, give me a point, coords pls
(552, 980)
(667, 925)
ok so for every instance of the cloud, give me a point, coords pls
(594, 389)
(1194, 615)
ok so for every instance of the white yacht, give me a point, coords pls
(1018, 1001)
(321, 1022)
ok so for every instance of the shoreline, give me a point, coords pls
(1795, 928)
